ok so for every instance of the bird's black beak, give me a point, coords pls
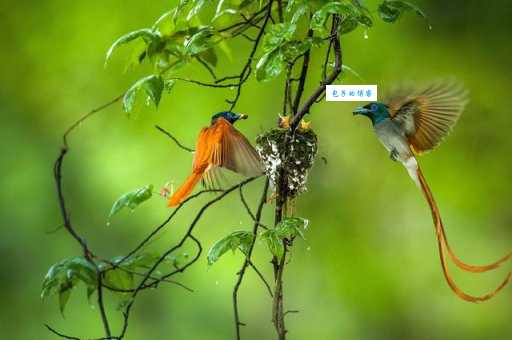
(360, 111)
(242, 116)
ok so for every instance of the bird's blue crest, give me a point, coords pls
(229, 116)
(376, 111)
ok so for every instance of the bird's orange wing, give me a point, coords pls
(232, 151)
(427, 115)
(200, 165)
(219, 146)
(204, 149)
(236, 152)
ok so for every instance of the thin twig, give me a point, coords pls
(188, 234)
(162, 225)
(246, 71)
(334, 74)
(64, 336)
(207, 67)
(260, 274)
(241, 273)
(174, 139)
(122, 290)
(302, 77)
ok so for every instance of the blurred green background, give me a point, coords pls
(369, 268)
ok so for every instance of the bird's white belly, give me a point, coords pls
(391, 137)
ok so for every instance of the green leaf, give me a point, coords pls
(278, 35)
(293, 49)
(288, 228)
(82, 270)
(196, 8)
(270, 65)
(119, 278)
(274, 242)
(291, 227)
(162, 24)
(347, 10)
(64, 294)
(132, 199)
(299, 13)
(227, 11)
(152, 86)
(201, 41)
(391, 10)
(169, 84)
(236, 240)
(209, 56)
(62, 277)
(348, 25)
(149, 36)
(365, 20)
(290, 5)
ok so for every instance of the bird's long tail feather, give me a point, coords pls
(443, 245)
(184, 190)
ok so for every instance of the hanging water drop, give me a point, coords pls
(366, 34)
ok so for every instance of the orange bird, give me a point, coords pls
(219, 146)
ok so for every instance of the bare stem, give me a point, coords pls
(247, 260)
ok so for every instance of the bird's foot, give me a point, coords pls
(394, 154)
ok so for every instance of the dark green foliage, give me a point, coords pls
(197, 30)
(236, 240)
(391, 10)
(191, 31)
(119, 275)
(152, 86)
(132, 199)
(288, 229)
(272, 63)
(63, 277)
(150, 38)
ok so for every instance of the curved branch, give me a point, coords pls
(143, 285)
(168, 134)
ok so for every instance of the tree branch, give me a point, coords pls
(246, 71)
(294, 122)
(174, 139)
(143, 285)
(247, 260)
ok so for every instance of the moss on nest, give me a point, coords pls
(295, 159)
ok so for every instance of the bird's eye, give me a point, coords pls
(373, 107)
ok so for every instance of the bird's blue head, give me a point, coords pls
(376, 111)
(229, 116)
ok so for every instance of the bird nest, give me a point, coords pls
(294, 158)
